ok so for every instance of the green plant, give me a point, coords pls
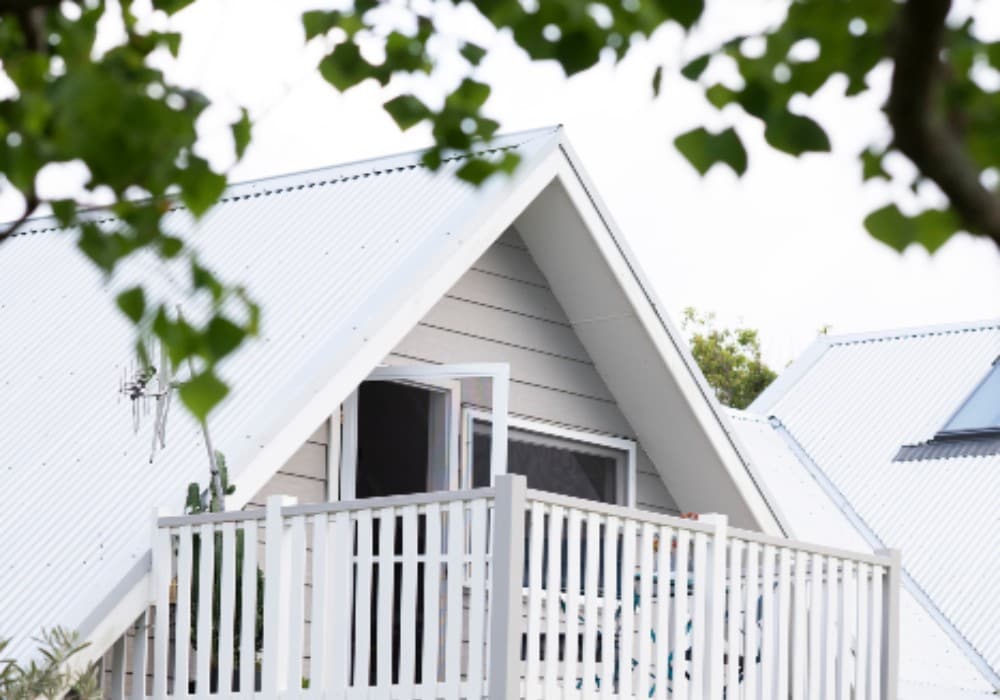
(51, 676)
(204, 501)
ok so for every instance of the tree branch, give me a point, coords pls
(921, 131)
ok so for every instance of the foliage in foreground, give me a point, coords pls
(729, 358)
(73, 99)
(49, 676)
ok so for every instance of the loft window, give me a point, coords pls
(570, 462)
(980, 414)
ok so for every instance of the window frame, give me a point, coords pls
(945, 434)
(540, 432)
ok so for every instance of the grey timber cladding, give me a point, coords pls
(502, 310)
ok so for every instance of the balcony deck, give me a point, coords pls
(503, 593)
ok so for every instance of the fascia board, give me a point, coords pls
(476, 227)
(654, 320)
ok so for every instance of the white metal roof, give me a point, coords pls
(850, 403)
(344, 261)
(76, 486)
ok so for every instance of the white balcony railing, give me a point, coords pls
(503, 593)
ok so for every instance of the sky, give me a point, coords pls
(782, 249)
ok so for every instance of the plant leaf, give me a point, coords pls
(703, 149)
(202, 393)
(133, 303)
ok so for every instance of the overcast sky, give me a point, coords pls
(781, 249)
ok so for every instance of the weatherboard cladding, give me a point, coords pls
(75, 481)
(852, 410)
(927, 656)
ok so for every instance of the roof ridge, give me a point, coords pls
(913, 332)
(245, 189)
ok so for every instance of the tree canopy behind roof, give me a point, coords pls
(71, 100)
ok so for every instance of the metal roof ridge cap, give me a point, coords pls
(673, 336)
(907, 332)
(777, 389)
(871, 537)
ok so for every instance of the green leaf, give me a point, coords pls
(871, 165)
(930, 228)
(468, 96)
(686, 12)
(795, 134)
(133, 303)
(472, 53)
(703, 149)
(657, 79)
(222, 336)
(407, 111)
(64, 210)
(719, 96)
(201, 187)
(241, 133)
(318, 22)
(476, 170)
(344, 67)
(171, 6)
(202, 393)
(693, 69)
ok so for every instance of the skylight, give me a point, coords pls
(981, 411)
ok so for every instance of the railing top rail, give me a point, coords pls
(809, 547)
(332, 507)
(618, 511)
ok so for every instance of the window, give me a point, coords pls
(572, 463)
(981, 411)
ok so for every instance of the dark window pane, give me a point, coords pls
(549, 468)
(392, 439)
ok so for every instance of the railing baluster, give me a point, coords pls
(571, 653)
(682, 620)
(182, 626)
(118, 669)
(663, 598)
(206, 585)
(319, 631)
(590, 626)
(875, 645)
(454, 610)
(340, 572)
(845, 625)
(735, 595)
(552, 614)
(432, 593)
(608, 612)
(861, 645)
(408, 603)
(535, 549)
(363, 608)
(248, 610)
(699, 617)
(627, 606)
(296, 603)
(815, 625)
(752, 593)
(785, 640)
(646, 604)
(477, 594)
(140, 641)
(274, 661)
(800, 640)
(768, 623)
(227, 596)
(386, 591)
(830, 630)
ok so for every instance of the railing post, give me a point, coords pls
(505, 605)
(716, 606)
(890, 623)
(159, 594)
(277, 563)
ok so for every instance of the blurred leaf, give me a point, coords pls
(657, 79)
(703, 149)
(686, 12)
(930, 228)
(407, 111)
(222, 336)
(201, 187)
(472, 53)
(795, 134)
(693, 69)
(344, 67)
(318, 22)
(871, 165)
(133, 303)
(171, 6)
(241, 133)
(202, 393)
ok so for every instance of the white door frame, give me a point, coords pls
(497, 372)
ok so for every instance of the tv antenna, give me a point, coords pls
(149, 389)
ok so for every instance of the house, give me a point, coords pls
(890, 439)
(467, 418)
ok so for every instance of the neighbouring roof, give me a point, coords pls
(844, 411)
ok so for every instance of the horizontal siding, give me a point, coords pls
(302, 476)
(503, 311)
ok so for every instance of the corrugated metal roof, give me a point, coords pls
(855, 404)
(325, 259)
(929, 661)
